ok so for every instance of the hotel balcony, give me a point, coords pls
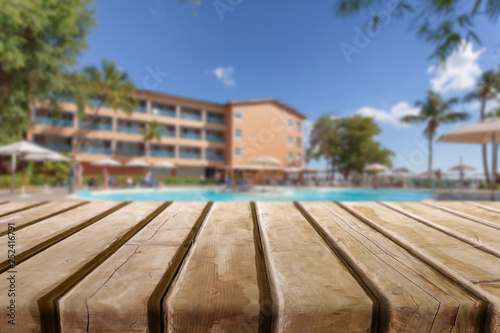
(191, 114)
(53, 119)
(124, 148)
(168, 131)
(96, 147)
(212, 154)
(192, 153)
(214, 136)
(157, 150)
(141, 107)
(62, 144)
(104, 124)
(164, 110)
(130, 127)
(215, 118)
(190, 133)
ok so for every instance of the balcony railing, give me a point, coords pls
(60, 147)
(163, 112)
(97, 126)
(190, 155)
(141, 109)
(216, 120)
(190, 116)
(95, 150)
(214, 157)
(191, 135)
(51, 121)
(162, 153)
(214, 138)
(167, 134)
(129, 129)
(130, 152)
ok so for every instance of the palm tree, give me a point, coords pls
(108, 86)
(434, 111)
(152, 132)
(486, 89)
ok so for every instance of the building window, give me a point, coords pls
(299, 143)
(290, 157)
(237, 152)
(238, 114)
(299, 159)
(238, 133)
(290, 123)
(298, 126)
(290, 140)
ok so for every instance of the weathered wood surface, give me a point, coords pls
(219, 280)
(243, 267)
(12, 207)
(30, 216)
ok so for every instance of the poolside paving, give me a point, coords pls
(250, 267)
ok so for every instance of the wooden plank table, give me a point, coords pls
(250, 267)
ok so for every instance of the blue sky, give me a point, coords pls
(291, 50)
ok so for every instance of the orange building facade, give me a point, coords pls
(198, 137)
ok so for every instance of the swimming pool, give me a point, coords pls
(285, 194)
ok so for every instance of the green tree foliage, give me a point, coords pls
(348, 143)
(357, 145)
(108, 86)
(152, 132)
(434, 111)
(443, 23)
(39, 42)
(486, 90)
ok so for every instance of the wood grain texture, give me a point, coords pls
(415, 298)
(48, 270)
(217, 288)
(47, 232)
(13, 207)
(476, 234)
(474, 213)
(492, 206)
(113, 298)
(313, 291)
(461, 262)
(36, 214)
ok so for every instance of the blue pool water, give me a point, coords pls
(286, 194)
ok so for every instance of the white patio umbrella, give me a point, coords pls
(107, 162)
(401, 171)
(21, 148)
(485, 131)
(293, 170)
(164, 165)
(138, 164)
(265, 160)
(375, 167)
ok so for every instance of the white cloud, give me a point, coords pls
(393, 116)
(459, 72)
(224, 75)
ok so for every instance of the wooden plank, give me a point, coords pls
(476, 234)
(217, 288)
(14, 207)
(56, 268)
(46, 233)
(461, 262)
(115, 296)
(312, 289)
(488, 205)
(474, 213)
(414, 297)
(33, 215)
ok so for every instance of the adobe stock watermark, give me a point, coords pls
(363, 37)
(222, 6)
(156, 76)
